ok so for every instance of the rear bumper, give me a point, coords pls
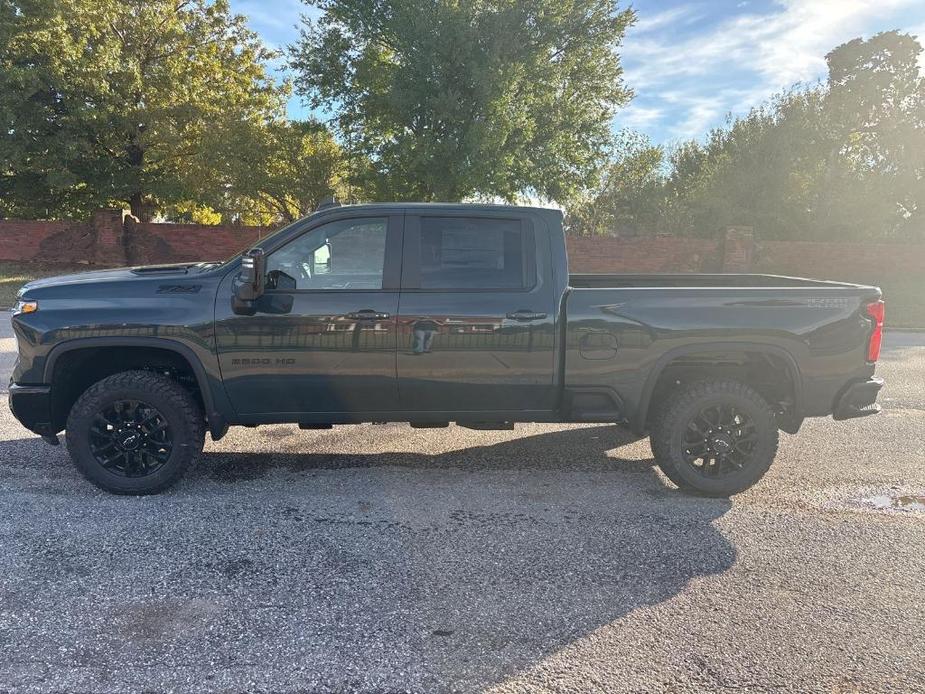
(31, 405)
(858, 399)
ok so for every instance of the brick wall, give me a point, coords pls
(47, 241)
(643, 254)
(150, 243)
(113, 238)
(840, 261)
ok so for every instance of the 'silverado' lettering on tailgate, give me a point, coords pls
(829, 302)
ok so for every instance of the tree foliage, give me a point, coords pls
(270, 173)
(630, 184)
(841, 160)
(459, 98)
(135, 101)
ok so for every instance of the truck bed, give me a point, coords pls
(622, 328)
(691, 279)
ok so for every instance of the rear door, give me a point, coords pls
(476, 326)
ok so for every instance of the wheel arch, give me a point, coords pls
(640, 419)
(217, 423)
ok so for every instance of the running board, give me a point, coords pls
(487, 426)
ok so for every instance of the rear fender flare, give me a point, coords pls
(638, 422)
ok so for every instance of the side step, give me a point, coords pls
(487, 426)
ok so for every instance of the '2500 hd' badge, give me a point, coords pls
(262, 362)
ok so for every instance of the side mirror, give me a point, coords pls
(249, 285)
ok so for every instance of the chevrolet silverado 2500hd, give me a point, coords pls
(430, 314)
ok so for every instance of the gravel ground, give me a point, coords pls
(381, 559)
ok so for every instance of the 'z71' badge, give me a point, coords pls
(179, 288)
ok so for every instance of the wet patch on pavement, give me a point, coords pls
(884, 500)
(897, 502)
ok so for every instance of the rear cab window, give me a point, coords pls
(474, 253)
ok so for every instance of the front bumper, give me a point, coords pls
(858, 399)
(31, 405)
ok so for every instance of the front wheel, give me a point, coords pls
(715, 437)
(135, 432)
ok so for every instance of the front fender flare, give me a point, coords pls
(218, 423)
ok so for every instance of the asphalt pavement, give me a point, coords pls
(550, 558)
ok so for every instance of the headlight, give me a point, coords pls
(24, 306)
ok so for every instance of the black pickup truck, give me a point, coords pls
(431, 314)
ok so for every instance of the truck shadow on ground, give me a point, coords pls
(570, 450)
(390, 571)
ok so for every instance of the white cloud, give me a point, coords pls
(919, 33)
(638, 117)
(768, 51)
(703, 111)
(785, 47)
(275, 21)
(651, 22)
(701, 114)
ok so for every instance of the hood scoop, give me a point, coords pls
(161, 269)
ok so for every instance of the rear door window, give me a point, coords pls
(476, 253)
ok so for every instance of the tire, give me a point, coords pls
(739, 437)
(147, 427)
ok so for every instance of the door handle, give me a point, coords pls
(367, 314)
(525, 315)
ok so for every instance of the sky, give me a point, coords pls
(692, 63)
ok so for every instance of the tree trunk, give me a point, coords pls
(138, 207)
(135, 155)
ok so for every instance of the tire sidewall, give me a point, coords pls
(761, 458)
(182, 433)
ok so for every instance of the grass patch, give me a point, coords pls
(15, 275)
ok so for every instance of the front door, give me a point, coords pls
(477, 315)
(323, 338)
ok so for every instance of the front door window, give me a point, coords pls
(345, 254)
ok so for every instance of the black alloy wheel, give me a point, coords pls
(130, 438)
(719, 440)
(135, 432)
(715, 437)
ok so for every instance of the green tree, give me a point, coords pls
(270, 173)
(112, 101)
(875, 169)
(760, 170)
(840, 160)
(629, 198)
(460, 98)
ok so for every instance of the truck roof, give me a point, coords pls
(436, 206)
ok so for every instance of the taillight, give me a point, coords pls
(875, 311)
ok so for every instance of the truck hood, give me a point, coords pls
(124, 274)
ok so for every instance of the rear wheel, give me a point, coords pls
(135, 432)
(715, 437)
